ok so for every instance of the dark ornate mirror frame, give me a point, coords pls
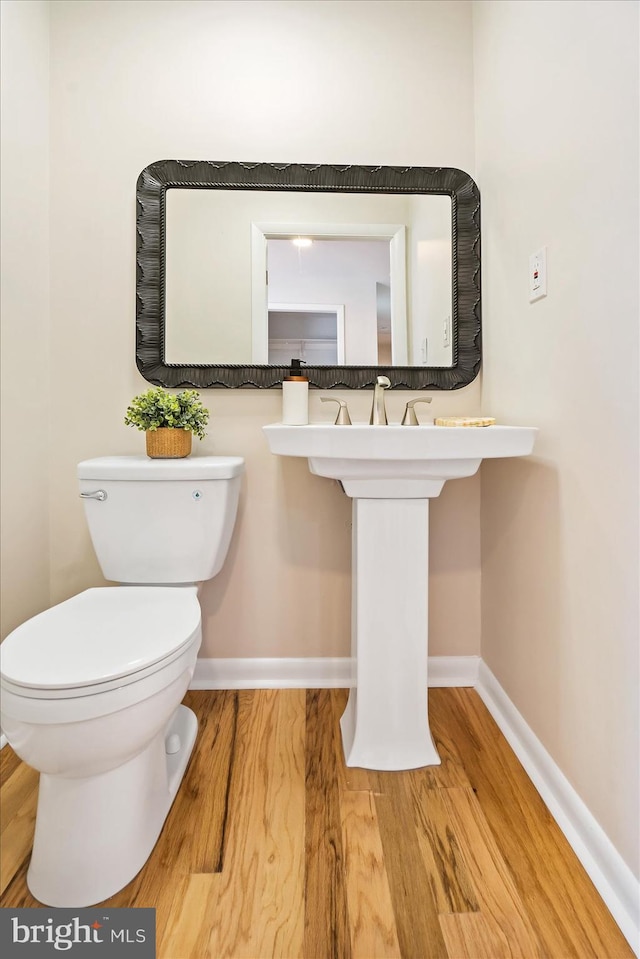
(156, 179)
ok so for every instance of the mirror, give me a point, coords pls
(356, 270)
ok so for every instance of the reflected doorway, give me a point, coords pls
(307, 331)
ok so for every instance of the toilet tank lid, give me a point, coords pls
(144, 468)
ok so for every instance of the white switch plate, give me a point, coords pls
(538, 275)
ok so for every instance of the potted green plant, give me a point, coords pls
(169, 420)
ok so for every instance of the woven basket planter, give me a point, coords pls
(168, 443)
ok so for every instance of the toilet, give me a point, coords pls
(92, 688)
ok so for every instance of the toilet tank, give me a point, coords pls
(161, 520)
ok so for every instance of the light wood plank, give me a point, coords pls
(19, 805)
(17, 895)
(183, 930)
(372, 924)
(414, 906)
(568, 915)
(451, 771)
(255, 907)
(285, 847)
(18, 840)
(208, 781)
(24, 782)
(326, 933)
(495, 890)
(226, 928)
(470, 936)
(9, 762)
(451, 886)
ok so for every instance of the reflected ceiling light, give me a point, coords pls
(302, 241)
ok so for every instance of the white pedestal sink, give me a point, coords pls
(391, 472)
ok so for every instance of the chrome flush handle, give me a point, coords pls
(99, 494)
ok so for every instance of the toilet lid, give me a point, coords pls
(100, 635)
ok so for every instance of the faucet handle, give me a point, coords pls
(343, 418)
(410, 418)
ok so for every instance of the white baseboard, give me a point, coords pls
(3, 740)
(315, 673)
(453, 670)
(273, 673)
(605, 866)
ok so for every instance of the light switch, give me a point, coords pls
(538, 275)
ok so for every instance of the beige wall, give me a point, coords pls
(24, 259)
(138, 81)
(558, 166)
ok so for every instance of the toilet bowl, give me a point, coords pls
(91, 698)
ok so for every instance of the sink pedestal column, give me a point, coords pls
(385, 724)
(391, 473)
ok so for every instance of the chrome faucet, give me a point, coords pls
(378, 412)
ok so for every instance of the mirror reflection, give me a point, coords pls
(258, 277)
(342, 279)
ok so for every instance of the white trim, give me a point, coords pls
(606, 868)
(315, 673)
(398, 284)
(272, 673)
(453, 670)
(259, 308)
(3, 740)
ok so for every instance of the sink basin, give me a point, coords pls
(397, 461)
(391, 472)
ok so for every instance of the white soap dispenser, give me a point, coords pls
(295, 396)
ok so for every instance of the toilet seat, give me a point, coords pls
(99, 640)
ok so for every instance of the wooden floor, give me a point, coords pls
(274, 848)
